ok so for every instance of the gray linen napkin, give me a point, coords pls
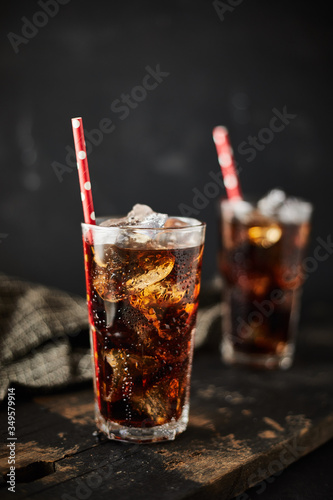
(37, 329)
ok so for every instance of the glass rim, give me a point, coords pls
(252, 199)
(196, 225)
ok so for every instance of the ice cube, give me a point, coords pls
(141, 221)
(117, 360)
(105, 235)
(172, 349)
(173, 222)
(171, 239)
(265, 236)
(158, 295)
(98, 251)
(137, 322)
(108, 274)
(107, 255)
(288, 210)
(177, 321)
(131, 238)
(150, 269)
(236, 208)
(107, 284)
(160, 401)
(139, 212)
(140, 216)
(126, 368)
(145, 217)
(110, 312)
(272, 202)
(114, 222)
(156, 301)
(295, 211)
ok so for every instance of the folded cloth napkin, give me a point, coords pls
(39, 330)
(44, 335)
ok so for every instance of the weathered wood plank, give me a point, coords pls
(43, 436)
(244, 426)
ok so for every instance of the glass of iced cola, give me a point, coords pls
(263, 246)
(143, 281)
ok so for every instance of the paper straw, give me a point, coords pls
(88, 213)
(83, 170)
(227, 163)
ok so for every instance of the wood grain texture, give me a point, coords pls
(244, 426)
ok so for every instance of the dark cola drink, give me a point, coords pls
(261, 262)
(143, 288)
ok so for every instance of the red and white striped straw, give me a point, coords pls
(227, 163)
(84, 177)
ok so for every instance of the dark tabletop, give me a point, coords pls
(268, 431)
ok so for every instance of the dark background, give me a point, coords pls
(230, 71)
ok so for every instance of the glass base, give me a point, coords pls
(283, 360)
(141, 435)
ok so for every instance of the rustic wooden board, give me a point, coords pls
(244, 426)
